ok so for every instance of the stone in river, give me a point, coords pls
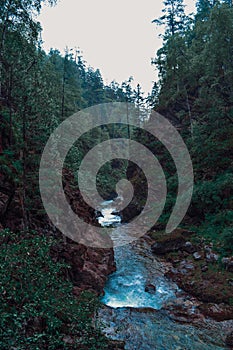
(150, 288)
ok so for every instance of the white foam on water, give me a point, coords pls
(126, 286)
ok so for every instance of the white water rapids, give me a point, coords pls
(136, 316)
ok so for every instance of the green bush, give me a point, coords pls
(38, 310)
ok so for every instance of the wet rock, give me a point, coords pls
(144, 310)
(197, 256)
(229, 339)
(150, 288)
(184, 311)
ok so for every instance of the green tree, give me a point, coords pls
(174, 18)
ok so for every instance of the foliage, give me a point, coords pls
(195, 92)
(38, 310)
(37, 92)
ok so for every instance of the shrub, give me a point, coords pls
(38, 310)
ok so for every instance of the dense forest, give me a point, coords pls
(195, 92)
(38, 91)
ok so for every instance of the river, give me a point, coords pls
(139, 318)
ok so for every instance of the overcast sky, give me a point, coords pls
(115, 36)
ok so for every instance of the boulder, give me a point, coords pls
(182, 310)
(89, 267)
(168, 245)
(150, 288)
(219, 312)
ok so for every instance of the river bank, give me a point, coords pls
(198, 270)
(146, 304)
(170, 318)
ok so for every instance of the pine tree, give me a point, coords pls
(204, 8)
(174, 18)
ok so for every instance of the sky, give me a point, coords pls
(116, 37)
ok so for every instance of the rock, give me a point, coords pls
(228, 263)
(204, 268)
(184, 311)
(150, 288)
(212, 257)
(229, 339)
(168, 245)
(225, 261)
(89, 266)
(187, 265)
(189, 248)
(219, 312)
(208, 248)
(197, 256)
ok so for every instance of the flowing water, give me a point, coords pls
(136, 316)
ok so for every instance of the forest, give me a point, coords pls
(47, 298)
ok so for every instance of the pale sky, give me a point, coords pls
(115, 36)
